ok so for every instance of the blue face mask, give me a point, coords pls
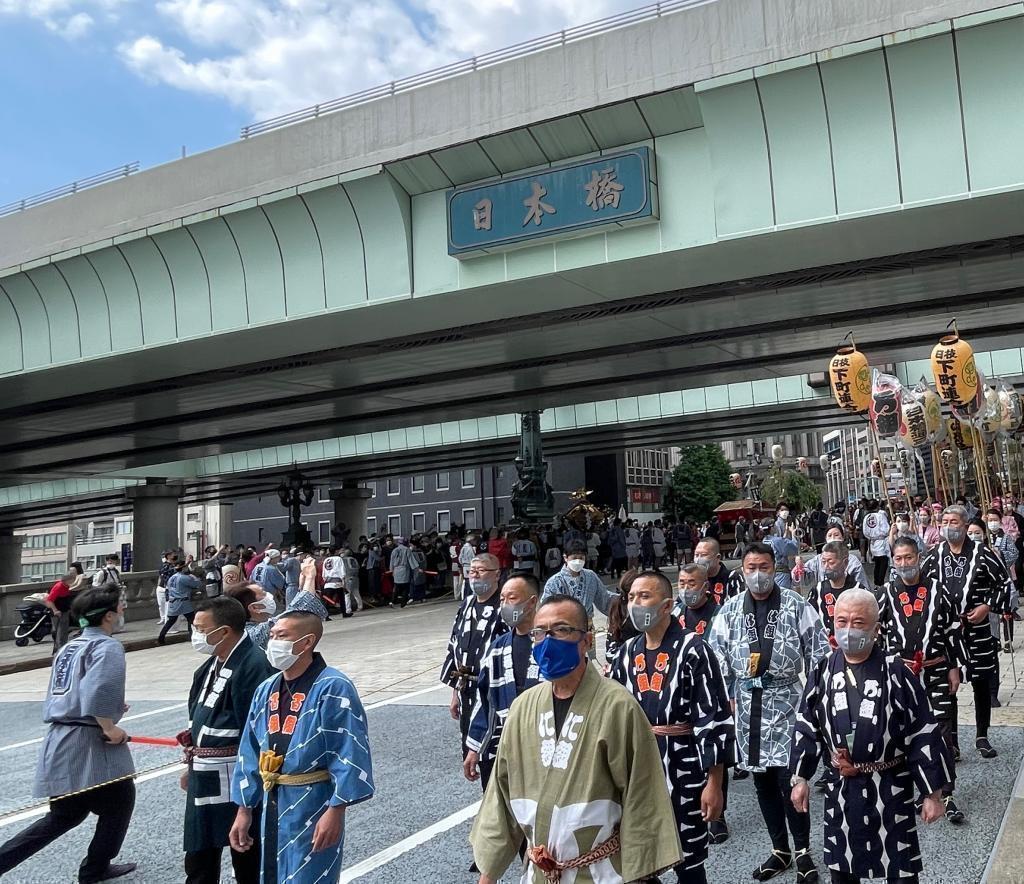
(556, 658)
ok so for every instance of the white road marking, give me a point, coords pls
(401, 697)
(396, 850)
(138, 715)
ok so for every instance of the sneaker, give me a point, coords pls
(953, 813)
(118, 870)
(718, 831)
(984, 748)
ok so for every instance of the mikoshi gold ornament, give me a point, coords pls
(956, 376)
(851, 379)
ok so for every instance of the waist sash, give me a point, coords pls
(672, 730)
(552, 869)
(847, 768)
(270, 773)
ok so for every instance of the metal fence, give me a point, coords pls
(477, 62)
(68, 189)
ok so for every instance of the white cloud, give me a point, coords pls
(71, 19)
(273, 56)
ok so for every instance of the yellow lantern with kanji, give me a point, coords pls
(851, 379)
(956, 376)
(962, 435)
(932, 411)
(915, 427)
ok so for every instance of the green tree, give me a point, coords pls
(699, 483)
(793, 488)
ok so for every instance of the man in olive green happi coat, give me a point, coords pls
(578, 774)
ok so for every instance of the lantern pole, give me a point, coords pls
(924, 477)
(881, 467)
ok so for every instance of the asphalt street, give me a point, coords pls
(415, 829)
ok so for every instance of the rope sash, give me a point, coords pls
(552, 869)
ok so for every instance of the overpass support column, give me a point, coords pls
(10, 557)
(155, 507)
(350, 502)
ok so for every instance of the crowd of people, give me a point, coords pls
(622, 765)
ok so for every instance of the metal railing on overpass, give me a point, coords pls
(476, 63)
(67, 189)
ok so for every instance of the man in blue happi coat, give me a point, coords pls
(304, 757)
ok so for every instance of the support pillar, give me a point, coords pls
(10, 557)
(155, 507)
(350, 504)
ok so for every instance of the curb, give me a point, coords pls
(139, 644)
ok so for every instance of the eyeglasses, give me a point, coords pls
(480, 570)
(561, 632)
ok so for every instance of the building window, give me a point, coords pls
(124, 526)
(419, 484)
(192, 517)
(469, 478)
(324, 532)
(444, 521)
(441, 481)
(394, 525)
(501, 515)
(419, 523)
(394, 487)
(469, 518)
(373, 489)
(323, 494)
(371, 526)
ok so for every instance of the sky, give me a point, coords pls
(89, 85)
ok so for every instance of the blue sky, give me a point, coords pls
(91, 84)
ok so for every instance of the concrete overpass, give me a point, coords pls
(855, 169)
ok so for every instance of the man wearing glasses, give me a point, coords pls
(476, 625)
(578, 773)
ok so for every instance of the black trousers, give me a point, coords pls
(982, 705)
(773, 792)
(843, 878)
(112, 804)
(881, 570)
(725, 791)
(189, 617)
(203, 866)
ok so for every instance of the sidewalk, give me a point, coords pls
(136, 637)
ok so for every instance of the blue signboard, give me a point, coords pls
(567, 200)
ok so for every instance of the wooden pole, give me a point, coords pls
(881, 468)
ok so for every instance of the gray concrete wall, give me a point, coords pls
(719, 38)
(141, 594)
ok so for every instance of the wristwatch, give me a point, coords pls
(796, 779)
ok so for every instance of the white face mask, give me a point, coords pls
(976, 536)
(994, 526)
(576, 565)
(201, 643)
(267, 604)
(281, 653)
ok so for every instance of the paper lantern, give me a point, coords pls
(1010, 410)
(825, 462)
(851, 379)
(962, 435)
(932, 405)
(801, 464)
(736, 479)
(956, 376)
(777, 454)
(876, 468)
(915, 426)
(947, 458)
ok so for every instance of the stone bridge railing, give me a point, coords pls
(141, 592)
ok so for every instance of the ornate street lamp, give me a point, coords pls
(295, 492)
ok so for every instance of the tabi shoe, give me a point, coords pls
(995, 703)
(953, 813)
(776, 864)
(956, 752)
(738, 774)
(718, 831)
(806, 872)
(114, 870)
(984, 748)
(821, 784)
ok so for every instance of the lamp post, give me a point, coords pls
(295, 492)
